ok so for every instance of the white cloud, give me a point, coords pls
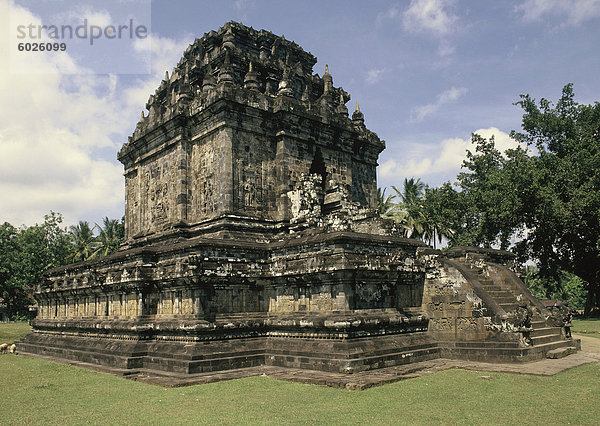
(450, 95)
(393, 13)
(53, 128)
(374, 75)
(78, 13)
(430, 16)
(575, 11)
(502, 140)
(445, 157)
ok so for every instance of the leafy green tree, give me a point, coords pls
(547, 201)
(24, 254)
(412, 190)
(563, 209)
(568, 288)
(423, 212)
(441, 212)
(492, 194)
(9, 251)
(57, 241)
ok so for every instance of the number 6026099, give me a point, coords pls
(41, 47)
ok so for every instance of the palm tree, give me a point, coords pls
(412, 191)
(411, 203)
(109, 236)
(385, 205)
(84, 241)
(435, 230)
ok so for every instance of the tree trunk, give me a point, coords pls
(592, 301)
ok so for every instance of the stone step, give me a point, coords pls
(482, 344)
(111, 361)
(95, 345)
(561, 352)
(538, 323)
(508, 306)
(124, 372)
(480, 351)
(490, 285)
(544, 331)
(500, 293)
(493, 290)
(351, 354)
(506, 300)
(353, 365)
(232, 352)
(548, 338)
(203, 366)
(496, 287)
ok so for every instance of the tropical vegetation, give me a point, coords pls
(541, 200)
(27, 251)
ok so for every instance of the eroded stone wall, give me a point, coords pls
(455, 312)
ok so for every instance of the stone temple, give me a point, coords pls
(253, 241)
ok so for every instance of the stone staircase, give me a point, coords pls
(502, 292)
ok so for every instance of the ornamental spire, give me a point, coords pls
(341, 108)
(357, 117)
(209, 81)
(225, 73)
(251, 79)
(327, 81)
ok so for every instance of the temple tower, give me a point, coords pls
(234, 128)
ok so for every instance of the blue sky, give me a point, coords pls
(427, 73)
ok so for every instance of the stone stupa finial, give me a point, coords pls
(357, 117)
(328, 80)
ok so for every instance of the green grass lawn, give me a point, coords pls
(11, 332)
(42, 392)
(587, 325)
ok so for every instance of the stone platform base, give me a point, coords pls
(341, 343)
(347, 349)
(356, 363)
(188, 358)
(357, 381)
